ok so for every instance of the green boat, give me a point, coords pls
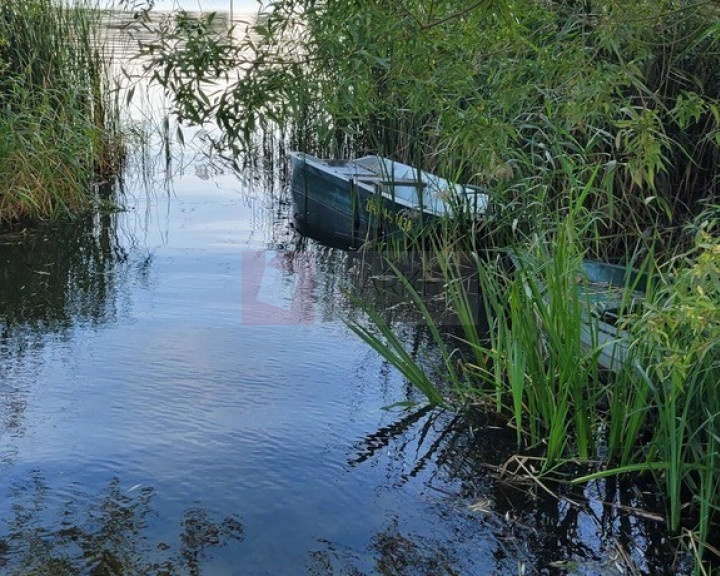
(608, 293)
(348, 202)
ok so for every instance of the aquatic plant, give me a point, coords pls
(659, 414)
(58, 116)
(672, 383)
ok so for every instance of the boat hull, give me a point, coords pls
(328, 205)
(366, 200)
(606, 291)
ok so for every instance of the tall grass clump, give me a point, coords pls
(674, 375)
(530, 363)
(538, 363)
(59, 130)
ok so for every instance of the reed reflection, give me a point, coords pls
(524, 522)
(104, 534)
(54, 279)
(54, 282)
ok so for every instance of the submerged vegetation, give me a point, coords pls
(58, 117)
(595, 127)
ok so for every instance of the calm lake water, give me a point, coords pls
(180, 395)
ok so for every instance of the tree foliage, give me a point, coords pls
(530, 99)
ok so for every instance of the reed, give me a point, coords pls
(58, 118)
(673, 377)
(383, 340)
(659, 415)
(530, 358)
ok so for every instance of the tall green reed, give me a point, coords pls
(536, 359)
(675, 371)
(530, 361)
(58, 117)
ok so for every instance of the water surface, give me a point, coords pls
(156, 419)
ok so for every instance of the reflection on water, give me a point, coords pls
(145, 428)
(48, 286)
(108, 535)
(524, 529)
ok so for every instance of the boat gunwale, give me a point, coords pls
(366, 181)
